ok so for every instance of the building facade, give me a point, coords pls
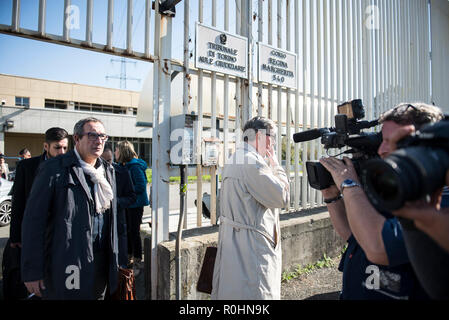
(30, 106)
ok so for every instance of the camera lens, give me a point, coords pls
(407, 174)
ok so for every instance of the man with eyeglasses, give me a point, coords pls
(248, 265)
(69, 231)
(376, 264)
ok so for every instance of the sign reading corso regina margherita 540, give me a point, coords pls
(276, 66)
(220, 51)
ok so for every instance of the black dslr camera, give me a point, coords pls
(414, 171)
(346, 133)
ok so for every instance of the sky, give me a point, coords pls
(38, 59)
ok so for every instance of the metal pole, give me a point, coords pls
(297, 178)
(111, 25)
(89, 22)
(182, 196)
(15, 16)
(148, 27)
(279, 91)
(129, 28)
(304, 157)
(42, 15)
(199, 174)
(161, 138)
(65, 29)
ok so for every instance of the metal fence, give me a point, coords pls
(375, 50)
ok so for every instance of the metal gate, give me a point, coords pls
(375, 50)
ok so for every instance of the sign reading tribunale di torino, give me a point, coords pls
(223, 52)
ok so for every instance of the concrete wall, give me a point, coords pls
(306, 236)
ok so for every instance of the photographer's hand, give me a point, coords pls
(398, 135)
(340, 170)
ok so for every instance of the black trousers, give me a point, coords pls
(133, 221)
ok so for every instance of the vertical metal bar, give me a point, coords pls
(148, 27)
(186, 79)
(344, 53)
(15, 16)
(155, 212)
(304, 145)
(199, 141)
(360, 47)
(89, 22)
(42, 15)
(260, 39)
(279, 91)
(380, 67)
(213, 105)
(428, 60)
(350, 52)
(129, 28)
(270, 42)
(65, 27)
(110, 27)
(297, 178)
(319, 197)
(338, 41)
(226, 94)
(326, 62)
(238, 83)
(288, 109)
(384, 55)
(247, 86)
(354, 35)
(377, 57)
(332, 60)
(312, 92)
(395, 50)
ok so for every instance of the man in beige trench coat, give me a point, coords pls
(249, 257)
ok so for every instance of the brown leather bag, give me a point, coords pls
(126, 285)
(207, 271)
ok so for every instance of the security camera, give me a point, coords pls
(3, 102)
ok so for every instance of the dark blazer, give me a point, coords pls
(57, 230)
(25, 173)
(125, 197)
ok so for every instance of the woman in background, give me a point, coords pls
(125, 155)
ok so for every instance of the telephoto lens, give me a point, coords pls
(405, 175)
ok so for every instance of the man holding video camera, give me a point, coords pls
(426, 226)
(376, 264)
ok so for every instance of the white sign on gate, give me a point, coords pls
(219, 51)
(276, 66)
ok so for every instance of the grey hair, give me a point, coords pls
(78, 130)
(256, 124)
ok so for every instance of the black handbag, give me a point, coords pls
(207, 271)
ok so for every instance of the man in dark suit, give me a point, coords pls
(56, 143)
(69, 230)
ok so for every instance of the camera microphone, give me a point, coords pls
(309, 135)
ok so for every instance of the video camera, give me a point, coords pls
(414, 171)
(347, 132)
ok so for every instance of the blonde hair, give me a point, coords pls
(126, 151)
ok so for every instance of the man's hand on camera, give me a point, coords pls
(340, 170)
(330, 192)
(398, 135)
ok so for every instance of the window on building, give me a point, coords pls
(94, 107)
(23, 102)
(55, 104)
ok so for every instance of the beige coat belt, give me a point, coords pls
(238, 225)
